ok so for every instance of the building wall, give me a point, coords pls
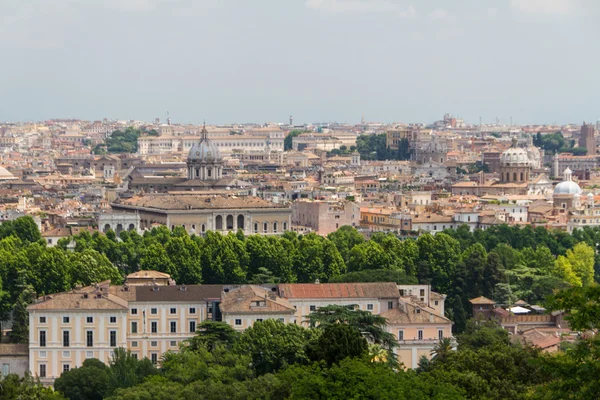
(55, 356)
(146, 343)
(14, 359)
(305, 306)
(247, 320)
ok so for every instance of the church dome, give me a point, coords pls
(515, 155)
(568, 186)
(204, 150)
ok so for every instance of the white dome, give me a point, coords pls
(204, 150)
(515, 155)
(567, 187)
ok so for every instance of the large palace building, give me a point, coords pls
(205, 200)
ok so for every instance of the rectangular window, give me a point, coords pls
(43, 354)
(192, 326)
(282, 319)
(420, 334)
(440, 333)
(113, 338)
(436, 302)
(173, 343)
(133, 326)
(238, 321)
(313, 308)
(400, 335)
(42, 338)
(89, 320)
(113, 320)
(422, 292)
(89, 354)
(134, 311)
(42, 320)
(65, 338)
(66, 320)
(153, 311)
(390, 305)
(134, 355)
(192, 310)
(89, 335)
(66, 367)
(173, 311)
(153, 326)
(173, 327)
(259, 320)
(153, 343)
(42, 370)
(66, 354)
(154, 358)
(370, 307)
(5, 369)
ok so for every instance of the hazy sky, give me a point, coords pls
(320, 60)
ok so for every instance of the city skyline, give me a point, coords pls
(319, 60)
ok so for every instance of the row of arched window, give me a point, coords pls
(264, 227)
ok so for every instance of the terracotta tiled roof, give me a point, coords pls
(13, 349)
(338, 290)
(195, 202)
(244, 299)
(482, 300)
(87, 298)
(413, 314)
(148, 274)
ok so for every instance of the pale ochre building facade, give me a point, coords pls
(150, 315)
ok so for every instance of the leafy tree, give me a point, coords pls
(20, 329)
(121, 141)
(210, 334)
(371, 326)
(273, 345)
(26, 229)
(479, 334)
(369, 255)
(13, 387)
(337, 342)
(126, 371)
(345, 238)
(287, 142)
(564, 270)
(574, 373)
(581, 258)
(377, 275)
(88, 382)
(89, 267)
(357, 379)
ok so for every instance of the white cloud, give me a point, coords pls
(362, 6)
(556, 7)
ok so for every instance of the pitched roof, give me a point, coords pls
(178, 293)
(338, 290)
(482, 300)
(88, 298)
(148, 274)
(410, 315)
(245, 298)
